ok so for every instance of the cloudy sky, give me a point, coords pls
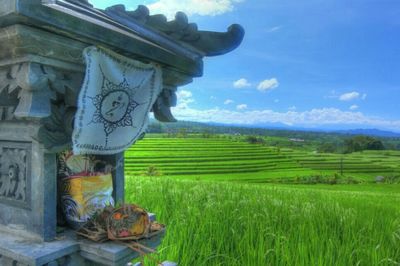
(330, 64)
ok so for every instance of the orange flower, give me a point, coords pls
(117, 216)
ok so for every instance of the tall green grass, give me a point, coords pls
(240, 224)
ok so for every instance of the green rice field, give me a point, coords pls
(224, 159)
(221, 223)
(265, 214)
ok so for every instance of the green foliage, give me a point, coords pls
(324, 179)
(239, 224)
(361, 143)
(392, 179)
(255, 140)
(156, 128)
(182, 133)
(352, 144)
(152, 171)
(327, 148)
(206, 135)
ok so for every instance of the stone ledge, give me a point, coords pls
(35, 253)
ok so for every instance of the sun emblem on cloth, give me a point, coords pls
(115, 105)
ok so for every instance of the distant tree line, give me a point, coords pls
(328, 142)
(255, 140)
(352, 144)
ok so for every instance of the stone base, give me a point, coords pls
(69, 250)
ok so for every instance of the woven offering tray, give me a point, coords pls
(126, 223)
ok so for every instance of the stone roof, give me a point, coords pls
(206, 42)
(58, 30)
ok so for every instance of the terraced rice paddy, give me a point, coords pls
(224, 159)
(242, 223)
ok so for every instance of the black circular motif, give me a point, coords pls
(114, 106)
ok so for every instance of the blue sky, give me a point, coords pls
(328, 64)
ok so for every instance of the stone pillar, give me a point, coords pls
(32, 130)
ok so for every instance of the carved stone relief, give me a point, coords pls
(8, 95)
(32, 88)
(15, 173)
(36, 91)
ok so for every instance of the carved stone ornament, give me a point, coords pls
(162, 106)
(32, 88)
(14, 173)
(38, 92)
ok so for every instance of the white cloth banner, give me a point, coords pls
(113, 105)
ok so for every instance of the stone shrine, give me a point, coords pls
(41, 72)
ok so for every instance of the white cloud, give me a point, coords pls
(312, 118)
(192, 7)
(268, 84)
(184, 98)
(241, 107)
(292, 108)
(181, 94)
(349, 96)
(228, 101)
(364, 96)
(213, 98)
(276, 101)
(241, 83)
(274, 29)
(353, 107)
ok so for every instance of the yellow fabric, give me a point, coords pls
(85, 194)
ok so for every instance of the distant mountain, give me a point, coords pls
(370, 132)
(359, 131)
(268, 130)
(280, 127)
